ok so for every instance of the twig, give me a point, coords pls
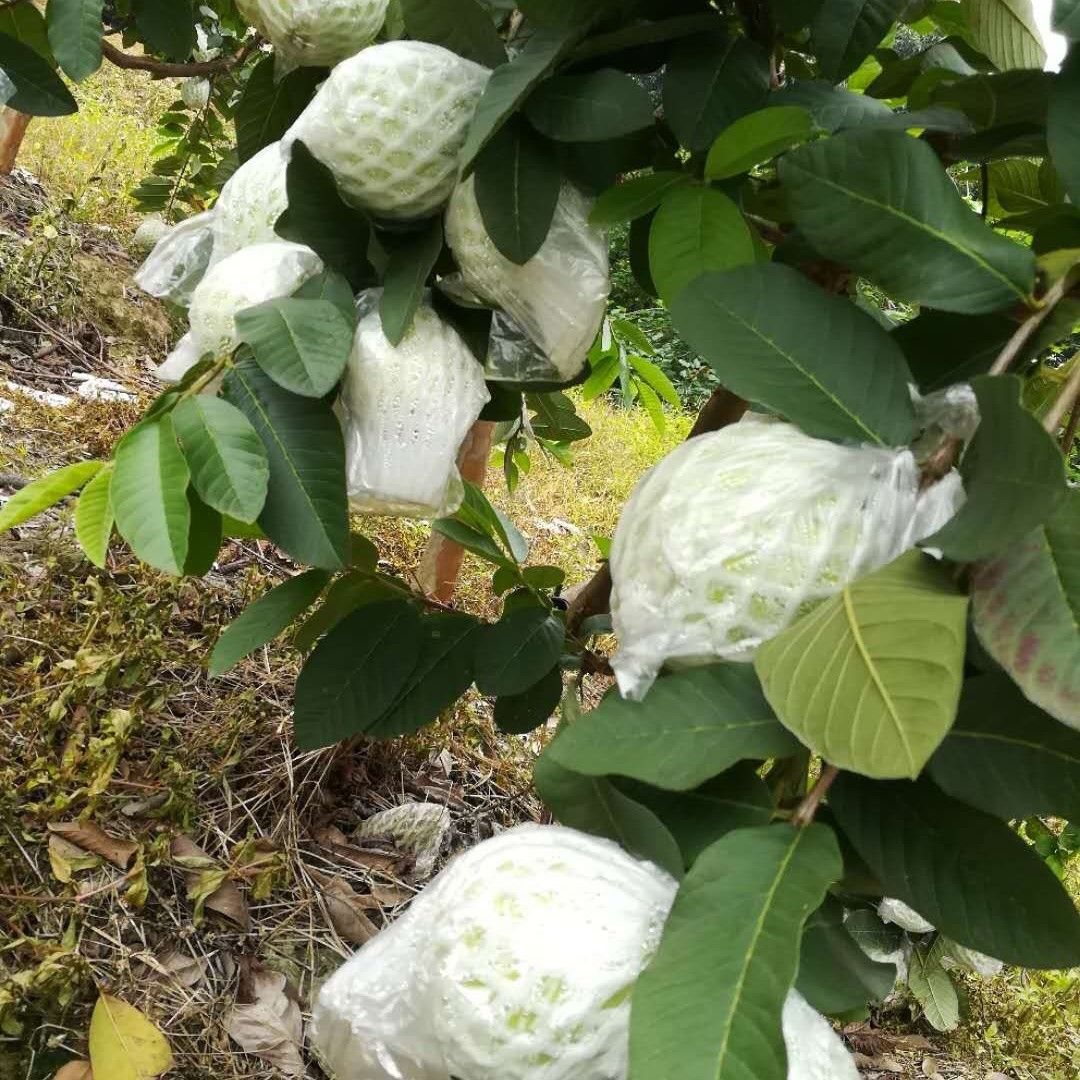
(1066, 402)
(167, 69)
(1069, 437)
(1015, 345)
(808, 808)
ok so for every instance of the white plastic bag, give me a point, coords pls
(252, 276)
(557, 298)
(739, 532)
(250, 203)
(390, 122)
(406, 411)
(897, 912)
(179, 260)
(516, 964)
(315, 33)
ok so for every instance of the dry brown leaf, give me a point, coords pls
(223, 896)
(930, 1068)
(391, 895)
(89, 837)
(345, 909)
(270, 1027)
(181, 967)
(68, 859)
(368, 857)
(75, 1070)
(909, 1042)
(886, 1063)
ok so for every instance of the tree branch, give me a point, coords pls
(1069, 437)
(168, 70)
(808, 808)
(1068, 401)
(1015, 345)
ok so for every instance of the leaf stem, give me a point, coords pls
(207, 377)
(808, 808)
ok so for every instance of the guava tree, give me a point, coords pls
(875, 247)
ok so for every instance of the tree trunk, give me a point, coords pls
(441, 564)
(13, 127)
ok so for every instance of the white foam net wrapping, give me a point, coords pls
(739, 532)
(517, 963)
(406, 411)
(252, 276)
(558, 297)
(151, 231)
(179, 260)
(390, 122)
(250, 203)
(315, 33)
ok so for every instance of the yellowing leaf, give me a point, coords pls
(870, 679)
(124, 1045)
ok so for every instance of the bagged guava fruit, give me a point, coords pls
(390, 122)
(250, 203)
(258, 273)
(151, 231)
(739, 532)
(557, 298)
(315, 33)
(518, 963)
(406, 410)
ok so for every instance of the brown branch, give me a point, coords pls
(1015, 345)
(594, 597)
(169, 70)
(1069, 437)
(808, 808)
(440, 565)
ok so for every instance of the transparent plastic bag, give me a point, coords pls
(556, 301)
(406, 411)
(739, 532)
(179, 260)
(390, 122)
(515, 964)
(258, 273)
(250, 203)
(315, 33)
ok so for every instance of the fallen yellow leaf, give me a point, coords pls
(124, 1045)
